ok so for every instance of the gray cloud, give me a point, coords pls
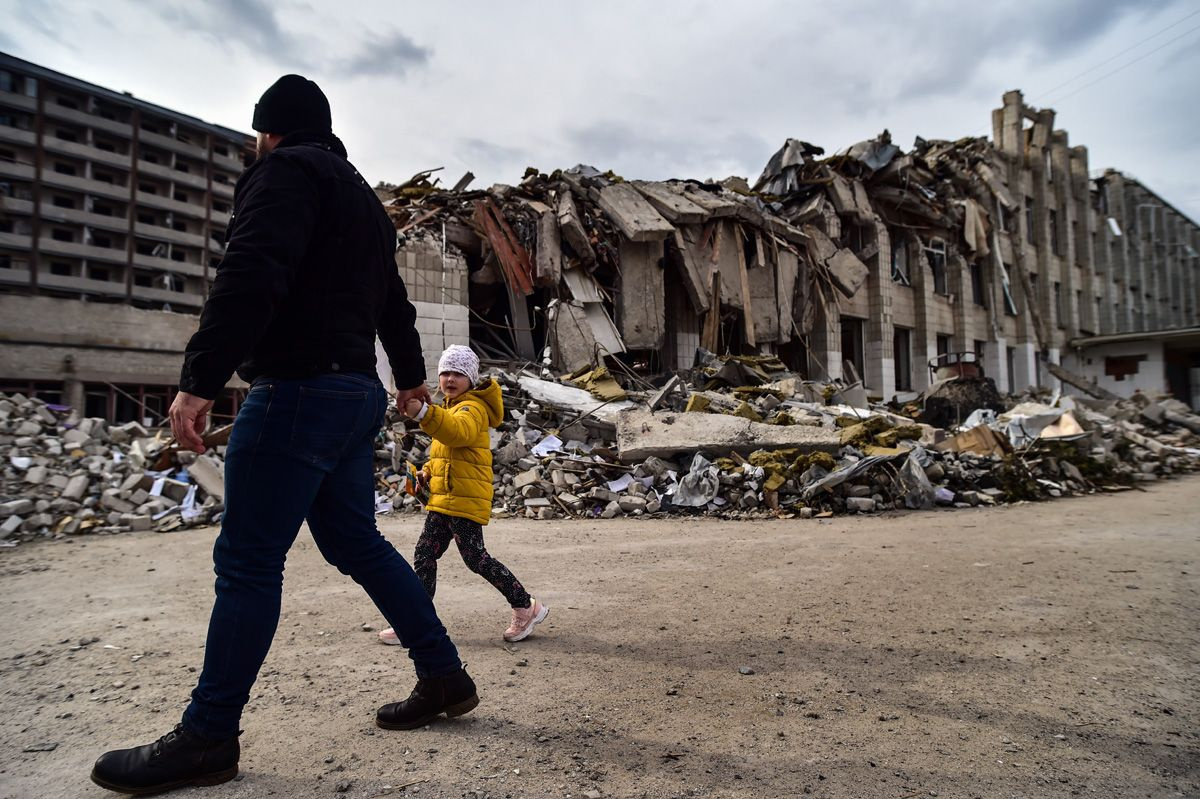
(390, 55)
(249, 23)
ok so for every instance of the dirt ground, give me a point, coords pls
(1039, 650)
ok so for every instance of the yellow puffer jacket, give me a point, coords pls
(460, 459)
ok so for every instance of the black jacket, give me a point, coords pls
(308, 278)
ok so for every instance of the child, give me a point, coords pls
(459, 476)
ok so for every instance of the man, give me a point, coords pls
(307, 281)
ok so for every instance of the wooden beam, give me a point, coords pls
(514, 261)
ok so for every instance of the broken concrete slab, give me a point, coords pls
(209, 475)
(641, 434)
(632, 214)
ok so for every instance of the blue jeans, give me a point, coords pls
(302, 449)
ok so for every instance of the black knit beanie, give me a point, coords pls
(292, 103)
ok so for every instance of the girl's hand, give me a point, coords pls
(423, 478)
(412, 407)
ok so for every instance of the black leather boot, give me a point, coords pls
(452, 694)
(176, 760)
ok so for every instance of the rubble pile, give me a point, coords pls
(740, 437)
(787, 447)
(65, 475)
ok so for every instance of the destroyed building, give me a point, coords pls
(874, 264)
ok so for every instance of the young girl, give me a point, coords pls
(459, 476)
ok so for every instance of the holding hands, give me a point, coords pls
(412, 407)
(410, 400)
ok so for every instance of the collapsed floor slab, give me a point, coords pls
(641, 434)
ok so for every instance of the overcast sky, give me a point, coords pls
(651, 89)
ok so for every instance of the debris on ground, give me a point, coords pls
(737, 437)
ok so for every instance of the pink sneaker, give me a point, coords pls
(523, 620)
(388, 637)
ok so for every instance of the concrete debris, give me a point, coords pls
(736, 437)
(64, 475)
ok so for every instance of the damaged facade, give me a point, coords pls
(874, 264)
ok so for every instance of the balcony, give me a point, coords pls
(12, 169)
(15, 277)
(83, 285)
(169, 234)
(122, 129)
(220, 219)
(57, 145)
(16, 241)
(223, 190)
(180, 298)
(173, 144)
(167, 204)
(91, 252)
(11, 205)
(18, 101)
(97, 187)
(167, 265)
(18, 136)
(52, 213)
(167, 173)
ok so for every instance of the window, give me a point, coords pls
(66, 135)
(181, 197)
(8, 155)
(146, 219)
(103, 177)
(902, 358)
(977, 348)
(147, 188)
(60, 269)
(66, 102)
(103, 209)
(1060, 311)
(143, 279)
(6, 262)
(8, 82)
(180, 226)
(1010, 362)
(1030, 234)
(63, 169)
(107, 147)
(62, 234)
(63, 202)
(100, 240)
(943, 344)
(98, 273)
(853, 350)
(1055, 243)
(935, 252)
(177, 255)
(900, 261)
(978, 286)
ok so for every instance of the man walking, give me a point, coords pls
(307, 281)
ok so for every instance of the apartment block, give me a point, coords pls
(104, 200)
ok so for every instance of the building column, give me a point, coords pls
(1026, 367)
(877, 348)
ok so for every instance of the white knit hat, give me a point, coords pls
(463, 360)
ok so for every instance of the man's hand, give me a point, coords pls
(412, 407)
(189, 416)
(420, 392)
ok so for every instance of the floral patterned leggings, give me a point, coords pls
(435, 540)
